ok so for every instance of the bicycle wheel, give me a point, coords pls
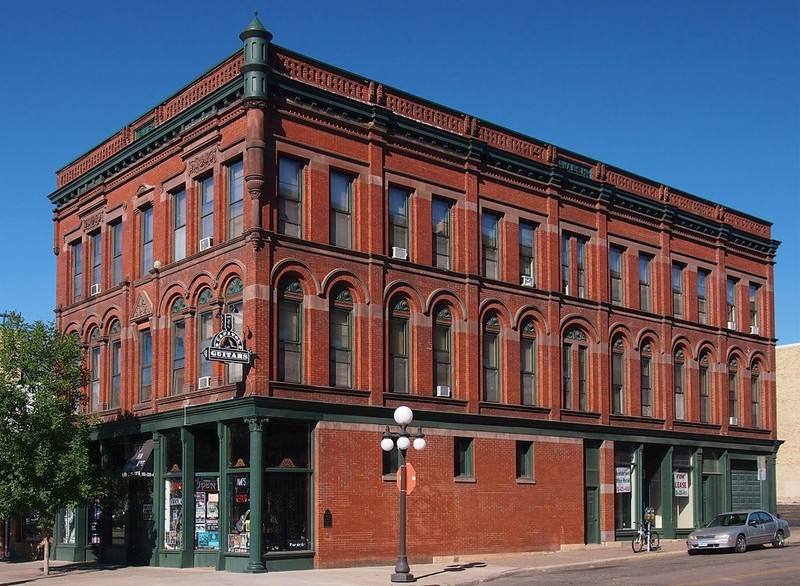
(637, 543)
(655, 540)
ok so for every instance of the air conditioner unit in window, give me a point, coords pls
(399, 252)
(95, 289)
(442, 391)
(204, 382)
(731, 325)
(754, 330)
(526, 281)
(206, 243)
(734, 421)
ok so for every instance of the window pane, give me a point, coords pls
(290, 197)
(146, 366)
(207, 208)
(398, 217)
(235, 199)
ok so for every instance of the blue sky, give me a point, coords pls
(701, 96)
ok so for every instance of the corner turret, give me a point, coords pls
(255, 70)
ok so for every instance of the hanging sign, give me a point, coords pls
(227, 346)
(681, 483)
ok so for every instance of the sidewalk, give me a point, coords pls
(464, 572)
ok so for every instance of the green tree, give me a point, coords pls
(45, 463)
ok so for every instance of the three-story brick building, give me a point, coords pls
(577, 342)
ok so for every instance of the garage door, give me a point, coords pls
(745, 486)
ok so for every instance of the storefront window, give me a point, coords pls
(29, 528)
(682, 486)
(173, 491)
(68, 518)
(286, 481)
(239, 507)
(626, 486)
(206, 512)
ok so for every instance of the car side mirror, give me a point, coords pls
(753, 523)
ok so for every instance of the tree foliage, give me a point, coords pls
(45, 462)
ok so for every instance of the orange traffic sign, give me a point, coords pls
(411, 478)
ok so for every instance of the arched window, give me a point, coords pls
(205, 332)
(341, 338)
(618, 376)
(733, 391)
(94, 370)
(115, 365)
(575, 370)
(679, 376)
(528, 364)
(290, 331)
(705, 388)
(442, 351)
(755, 395)
(399, 347)
(647, 379)
(178, 333)
(491, 359)
(234, 305)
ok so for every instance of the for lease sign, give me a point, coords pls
(681, 483)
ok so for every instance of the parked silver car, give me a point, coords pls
(737, 529)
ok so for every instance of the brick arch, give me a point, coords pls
(89, 324)
(227, 272)
(498, 308)
(405, 289)
(738, 353)
(457, 309)
(621, 330)
(111, 316)
(354, 284)
(582, 323)
(305, 277)
(530, 312)
(759, 357)
(707, 346)
(169, 296)
(648, 335)
(683, 342)
(199, 282)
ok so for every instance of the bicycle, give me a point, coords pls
(645, 538)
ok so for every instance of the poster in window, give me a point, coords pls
(681, 483)
(623, 479)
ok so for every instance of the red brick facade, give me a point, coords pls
(580, 209)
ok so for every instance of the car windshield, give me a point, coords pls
(728, 520)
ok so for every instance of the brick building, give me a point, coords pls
(576, 342)
(787, 358)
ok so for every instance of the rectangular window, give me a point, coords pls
(705, 395)
(179, 225)
(645, 281)
(147, 240)
(206, 208)
(733, 397)
(677, 289)
(617, 382)
(116, 253)
(581, 266)
(583, 378)
(566, 267)
(341, 191)
(754, 321)
(178, 356)
(77, 271)
(205, 332)
(398, 222)
(94, 378)
(527, 254)
(491, 367)
(702, 296)
(398, 355)
(289, 341)
(647, 386)
(97, 259)
(236, 199)
(491, 245)
(731, 298)
(567, 386)
(680, 390)
(528, 368)
(290, 197)
(441, 355)
(235, 371)
(116, 372)
(341, 348)
(441, 233)
(463, 458)
(755, 399)
(391, 463)
(145, 366)
(616, 275)
(525, 460)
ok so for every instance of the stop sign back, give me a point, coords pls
(411, 478)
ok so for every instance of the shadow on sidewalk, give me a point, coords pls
(454, 568)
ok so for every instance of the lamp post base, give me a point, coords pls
(403, 577)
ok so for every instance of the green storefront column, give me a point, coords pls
(158, 497)
(224, 502)
(256, 425)
(667, 492)
(187, 527)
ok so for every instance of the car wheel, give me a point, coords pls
(778, 541)
(741, 544)
(692, 552)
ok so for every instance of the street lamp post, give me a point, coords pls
(403, 416)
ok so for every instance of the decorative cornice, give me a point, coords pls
(202, 162)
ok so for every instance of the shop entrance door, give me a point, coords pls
(745, 486)
(712, 497)
(592, 504)
(142, 526)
